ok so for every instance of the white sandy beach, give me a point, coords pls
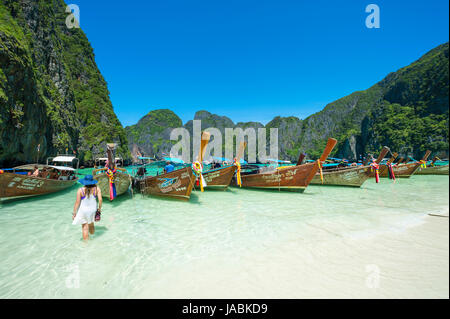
(412, 263)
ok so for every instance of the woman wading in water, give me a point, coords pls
(86, 205)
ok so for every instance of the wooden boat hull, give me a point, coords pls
(433, 170)
(20, 186)
(122, 182)
(219, 178)
(353, 177)
(400, 171)
(293, 178)
(177, 184)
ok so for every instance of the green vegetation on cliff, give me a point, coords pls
(151, 135)
(407, 111)
(51, 91)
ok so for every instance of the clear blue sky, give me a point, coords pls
(251, 60)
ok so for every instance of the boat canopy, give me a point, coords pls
(331, 165)
(40, 166)
(63, 159)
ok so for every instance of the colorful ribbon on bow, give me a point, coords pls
(320, 170)
(423, 164)
(390, 171)
(112, 186)
(197, 169)
(1, 171)
(376, 168)
(238, 172)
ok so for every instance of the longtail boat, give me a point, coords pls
(435, 167)
(176, 184)
(112, 180)
(19, 183)
(347, 176)
(384, 168)
(404, 170)
(220, 178)
(290, 178)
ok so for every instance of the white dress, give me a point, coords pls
(87, 209)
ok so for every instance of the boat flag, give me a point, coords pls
(197, 169)
(375, 167)
(238, 172)
(111, 173)
(391, 171)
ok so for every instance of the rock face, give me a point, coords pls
(51, 91)
(407, 111)
(151, 135)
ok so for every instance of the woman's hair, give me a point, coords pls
(90, 189)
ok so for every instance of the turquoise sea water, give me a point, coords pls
(148, 247)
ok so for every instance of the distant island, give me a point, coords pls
(53, 99)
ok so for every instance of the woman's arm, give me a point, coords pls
(100, 198)
(77, 204)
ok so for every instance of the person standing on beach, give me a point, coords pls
(86, 205)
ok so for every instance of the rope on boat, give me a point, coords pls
(238, 172)
(320, 170)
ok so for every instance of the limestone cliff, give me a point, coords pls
(51, 91)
